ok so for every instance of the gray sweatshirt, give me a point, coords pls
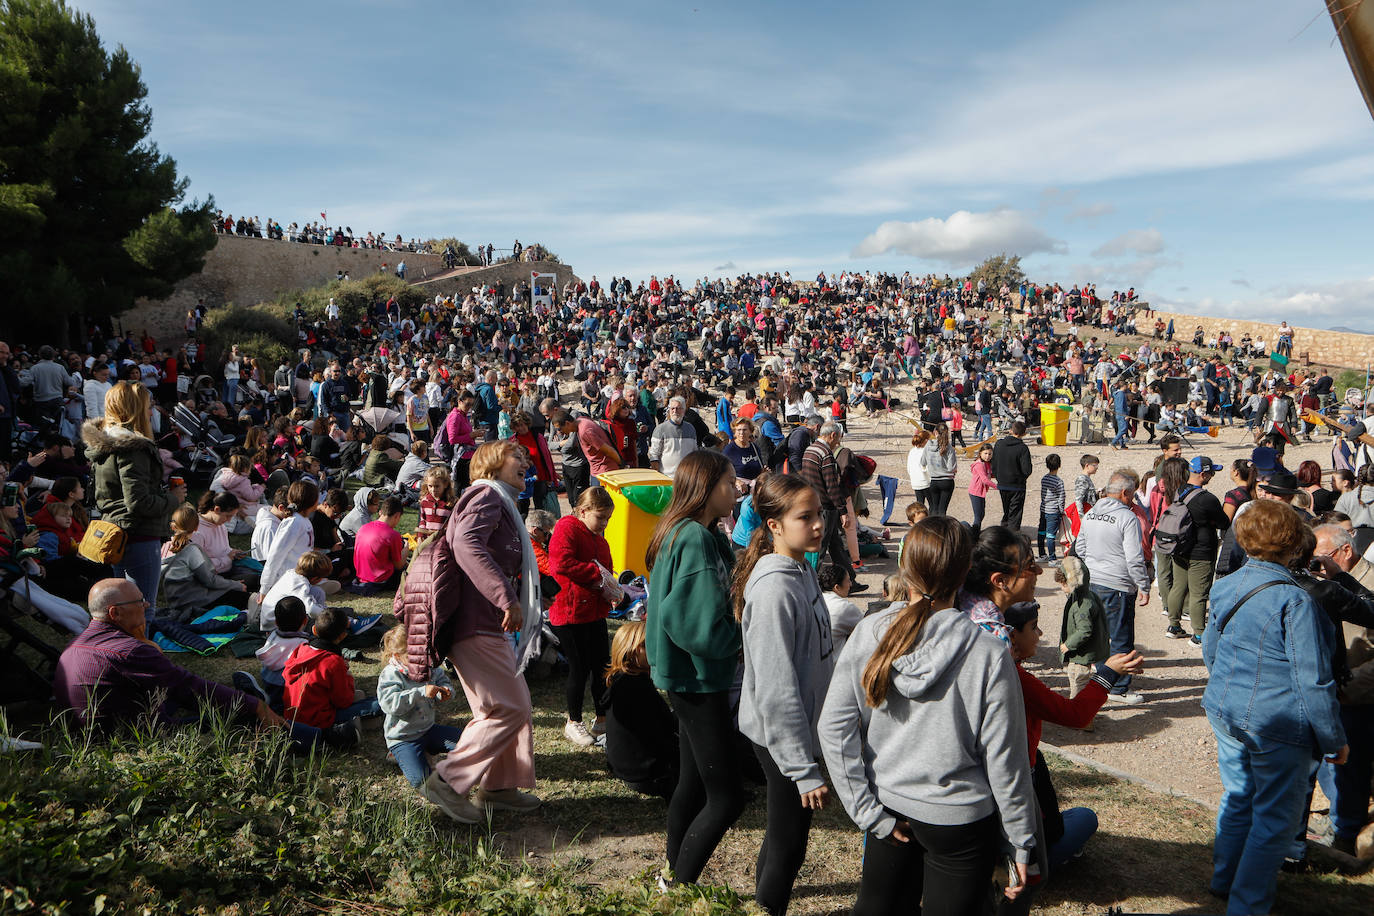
(409, 713)
(941, 465)
(1109, 544)
(788, 657)
(947, 746)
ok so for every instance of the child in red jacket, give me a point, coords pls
(319, 690)
(577, 553)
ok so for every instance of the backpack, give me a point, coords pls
(441, 446)
(1176, 532)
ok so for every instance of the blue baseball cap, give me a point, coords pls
(1201, 464)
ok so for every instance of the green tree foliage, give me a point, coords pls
(999, 269)
(91, 213)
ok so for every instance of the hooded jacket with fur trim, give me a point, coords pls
(128, 480)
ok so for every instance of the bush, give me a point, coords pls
(260, 331)
(1349, 378)
(353, 297)
(226, 819)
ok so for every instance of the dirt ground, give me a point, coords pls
(1166, 741)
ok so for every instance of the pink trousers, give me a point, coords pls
(496, 750)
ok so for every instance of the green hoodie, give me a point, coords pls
(691, 635)
(1084, 631)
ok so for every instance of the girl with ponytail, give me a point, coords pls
(924, 735)
(788, 657)
(693, 643)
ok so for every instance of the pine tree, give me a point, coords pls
(91, 213)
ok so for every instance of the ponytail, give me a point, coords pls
(774, 495)
(935, 560)
(760, 545)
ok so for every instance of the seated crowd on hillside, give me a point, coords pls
(743, 658)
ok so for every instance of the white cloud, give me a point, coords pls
(1214, 102)
(725, 268)
(1139, 241)
(1351, 178)
(963, 238)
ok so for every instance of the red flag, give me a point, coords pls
(324, 216)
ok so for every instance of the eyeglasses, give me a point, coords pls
(143, 601)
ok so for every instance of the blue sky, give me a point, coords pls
(1216, 156)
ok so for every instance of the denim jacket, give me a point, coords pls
(1270, 671)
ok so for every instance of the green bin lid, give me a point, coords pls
(652, 498)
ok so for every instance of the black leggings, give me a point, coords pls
(941, 491)
(943, 871)
(587, 648)
(710, 790)
(784, 841)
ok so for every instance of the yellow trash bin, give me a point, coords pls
(640, 495)
(1054, 423)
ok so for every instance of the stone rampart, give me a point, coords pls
(1336, 349)
(246, 271)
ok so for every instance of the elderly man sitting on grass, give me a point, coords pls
(112, 673)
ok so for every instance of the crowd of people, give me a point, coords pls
(476, 411)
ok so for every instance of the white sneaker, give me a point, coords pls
(1129, 698)
(577, 733)
(598, 729)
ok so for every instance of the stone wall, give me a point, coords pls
(1335, 349)
(246, 271)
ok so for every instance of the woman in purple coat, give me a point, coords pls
(485, 584)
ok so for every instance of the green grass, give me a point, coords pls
(224, 820)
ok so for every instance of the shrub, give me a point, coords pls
(1349, 378)
(353, 297)
(260, 331)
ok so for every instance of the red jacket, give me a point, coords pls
(574, 551)
(67, 538)
(1043, 704)
(317, 685)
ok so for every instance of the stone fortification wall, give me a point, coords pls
(246, 271)
(1310, 346)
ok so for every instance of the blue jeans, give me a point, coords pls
(1347, 785)
(231, 395)
(142, 562)
(1121, 618)
(410, 755)
(1051, 532)
(366, 708)
(984, 426)
(1264, 785)
(1079, 826)
(1123, 430)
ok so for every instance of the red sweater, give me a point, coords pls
(574, 551)
(1044, 705)
(317, 686)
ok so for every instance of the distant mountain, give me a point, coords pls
(1345, 330)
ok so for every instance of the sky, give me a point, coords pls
(1216, 156)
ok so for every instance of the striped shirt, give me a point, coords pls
(1051, 494)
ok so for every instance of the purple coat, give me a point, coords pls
(461, 584)
(108, 678)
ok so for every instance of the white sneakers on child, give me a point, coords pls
(577, 733)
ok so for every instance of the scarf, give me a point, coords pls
(529, 578)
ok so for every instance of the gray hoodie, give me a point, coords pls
(358, 515)
(947, 746)
(409, 714)
(788, 658)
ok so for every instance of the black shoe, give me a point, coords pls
(1195, 640)
(1175, 632)
(1344, 844)
(246, 683)
(1296, 866)
(345, 734)
(856, 588)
